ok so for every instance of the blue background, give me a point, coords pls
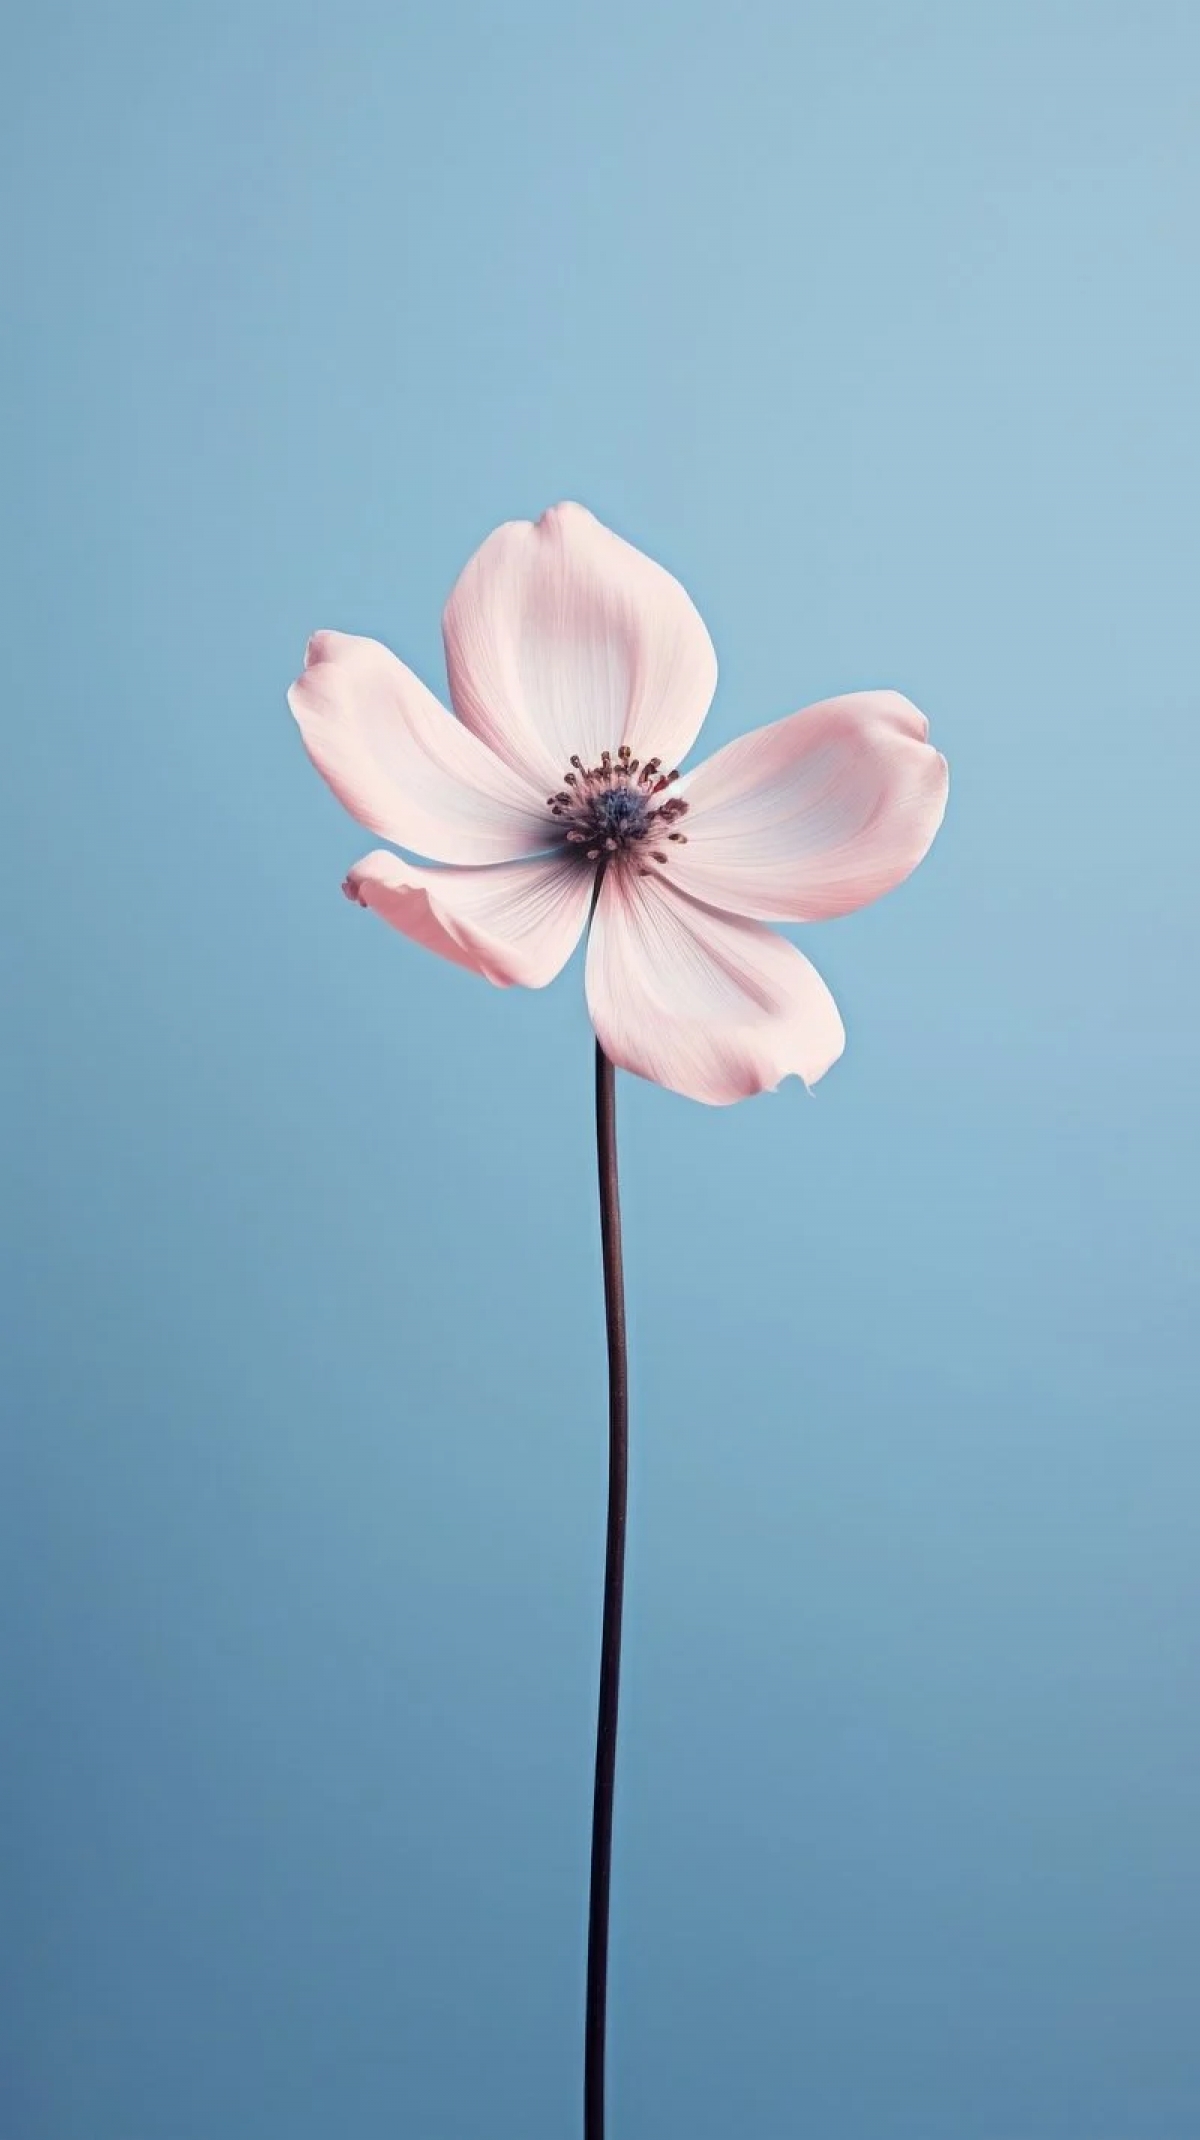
(878, 324)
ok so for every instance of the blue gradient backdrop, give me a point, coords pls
(879, 325)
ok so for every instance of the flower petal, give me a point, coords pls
(712, 1006)
(400, 762)
(815, 815)
(515, 924)
(563, 640)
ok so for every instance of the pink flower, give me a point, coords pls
(581, 674)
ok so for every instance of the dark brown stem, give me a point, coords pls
(614, 1586)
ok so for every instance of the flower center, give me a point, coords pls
(613, 809)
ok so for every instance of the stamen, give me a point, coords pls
(680, 838)
(612, 808)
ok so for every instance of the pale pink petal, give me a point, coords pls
(402, 765)
(712, 1006)
(515, 924)
(815, 815)
(562, 640)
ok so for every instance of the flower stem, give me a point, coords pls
(614, 1586)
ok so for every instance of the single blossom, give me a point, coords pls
(581, 673)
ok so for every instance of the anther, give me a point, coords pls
(680, 838)
(657, 857)
(593, 854)
(606, 760)
(577, 839)
(578, 764)
(623, 751)
(611, 846)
